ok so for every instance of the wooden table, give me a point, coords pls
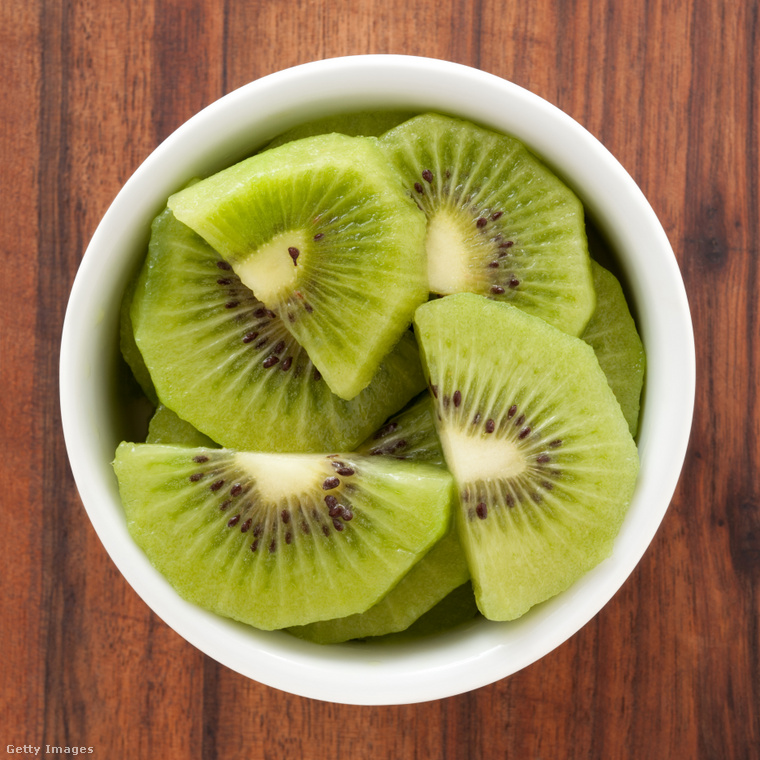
(671, 667)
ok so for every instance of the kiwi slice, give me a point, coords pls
(166, 426)
(278, 540)
(613, 336)
(322, 232)
(456, 608)
(226, 364)
(355, 124)
(500, 223)
(410, 434)
(544, 463)
(128, 345)
(436, 575)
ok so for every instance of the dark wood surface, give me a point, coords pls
(671, 666)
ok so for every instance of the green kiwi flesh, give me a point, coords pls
(322, 232)
(274, 318)
(128, 346)
(500, 223)
(541, 453)
(226, 364)
(354, 124)
(456, 608)
(279, 540)
(167, 427)
(436, 575)
(613, 336)
(409, 435)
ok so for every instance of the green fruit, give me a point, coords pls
(500, 223)
(226, 364)
(613, 336)
(166, 427)
(408, 435)
(436, 575)
(129, 349)
(279, 540)
(322, 233)
(456, 608)
(355, 124)
(544, 463)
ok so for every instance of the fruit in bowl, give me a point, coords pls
(273, 316)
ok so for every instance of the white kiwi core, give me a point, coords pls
(481, 456)
(271, 271)
(278, 477)
(447, 254)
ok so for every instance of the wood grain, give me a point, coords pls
(671, 666)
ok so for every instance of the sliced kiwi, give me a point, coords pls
(278, 540)
(128, 346)
(456, 608)
(226, 364)
(322, 232)
(355, 124)
(613, 336)
(541, 453)
(436, 575)
(167, 427)
(500, 223)
(410, 434)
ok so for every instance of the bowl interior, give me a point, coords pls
(95, 419)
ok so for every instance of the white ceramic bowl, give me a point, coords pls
(481, 652)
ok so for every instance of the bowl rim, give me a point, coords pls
(473, 655)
